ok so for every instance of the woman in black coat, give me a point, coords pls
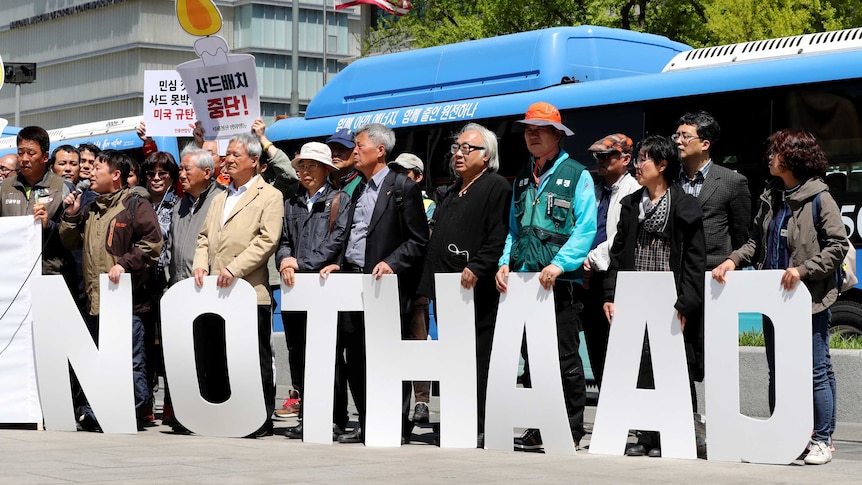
(661, 229)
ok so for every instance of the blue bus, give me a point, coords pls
(117, 134)
(604, 81)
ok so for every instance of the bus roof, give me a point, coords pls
(118, 134)
(812, 68)
(521, 62)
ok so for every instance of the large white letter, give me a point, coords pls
(322, 299)
(451, 360)
(244, 412)
(526, 307)
(105, 373)
(645, 300)
(21, 247)
(733, 436)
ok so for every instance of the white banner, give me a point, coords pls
(168, 109)
(19, 245)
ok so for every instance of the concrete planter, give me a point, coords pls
(754, 383)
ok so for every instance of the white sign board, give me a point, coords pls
(168, 109)
(731, 435)
(19, 244)
(645, 301)
(526, 308)
(223, 88)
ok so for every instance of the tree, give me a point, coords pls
(698, 23)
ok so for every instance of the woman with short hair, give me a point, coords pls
(798, 228)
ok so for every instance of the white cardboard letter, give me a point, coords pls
(733, 436)
(105, 372)
(645, 300)
(322, 299)
(451, 360)
(526, 306)
(244, 412)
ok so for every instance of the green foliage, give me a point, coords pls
(698, 23)
(836, 341)
(751, 339)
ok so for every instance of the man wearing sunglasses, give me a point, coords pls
(613, 155)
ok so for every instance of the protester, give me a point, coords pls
(239, 234)
(613, 155)
(196, 175)
(8, 165)
(417, 326)
(345, 177)
(285, 176)
(799, 228)
(392, 243)
(314, 232)
(88, 153)
(64, 162)
(468, 238)
(722, 193)
(412, 166)
(36, 191)
(660, 229)
(119, 233)
(552, 224)
(161, 173)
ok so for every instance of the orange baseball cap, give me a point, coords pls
(545, 114)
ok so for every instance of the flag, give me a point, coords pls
(395, 7)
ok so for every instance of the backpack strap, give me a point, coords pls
(333, 210)
(133, 204)
(815, 211)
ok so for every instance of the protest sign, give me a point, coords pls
(168, 110)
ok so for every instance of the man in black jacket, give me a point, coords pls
(388, 236)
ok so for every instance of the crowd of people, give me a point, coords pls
(346, 205)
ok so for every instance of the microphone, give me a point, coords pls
(83, 186)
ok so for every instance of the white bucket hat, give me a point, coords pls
(314, 150)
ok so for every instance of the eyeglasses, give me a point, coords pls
(7, 170)
(464, 148)
(160, 174)
(605, 156)
(641, 161)
(686, 137)
(307, 167)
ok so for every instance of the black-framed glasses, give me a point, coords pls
(464, 148)
(7, 170)
(160, 174)
(686, 137)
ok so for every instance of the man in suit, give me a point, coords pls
(726, 203)
(723, 194)
(388, 235)
(239, 234)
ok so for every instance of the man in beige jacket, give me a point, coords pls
(240, 233)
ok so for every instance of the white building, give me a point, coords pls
(91, 54)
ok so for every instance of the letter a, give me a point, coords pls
(645, 300)
(526, 307)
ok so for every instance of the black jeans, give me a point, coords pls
(568, 306)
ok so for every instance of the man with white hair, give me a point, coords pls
(240, 233)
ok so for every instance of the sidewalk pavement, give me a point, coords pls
(157, 455)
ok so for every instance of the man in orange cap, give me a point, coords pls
(552, 225)
(613, 155)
